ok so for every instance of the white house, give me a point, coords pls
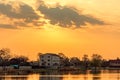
(114, 63)
(50, 60)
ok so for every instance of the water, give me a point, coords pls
(103, 75)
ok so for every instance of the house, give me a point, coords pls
(115, 64)
(50, 60)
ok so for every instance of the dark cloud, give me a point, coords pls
(66, 17)
(7, 26)
(62, 16)
(26, 12)
(39, 23)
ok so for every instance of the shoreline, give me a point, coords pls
(28, 71)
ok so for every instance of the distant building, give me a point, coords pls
(25, 67)
(34, 63)
(114, 63)
(50, 60)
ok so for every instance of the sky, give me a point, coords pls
(75, 28)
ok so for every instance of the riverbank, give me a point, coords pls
(53, 71)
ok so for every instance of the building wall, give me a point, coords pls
(25, 67)
(48, 60)
(114, 63)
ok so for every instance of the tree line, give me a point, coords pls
(7, 59)
(96, 60)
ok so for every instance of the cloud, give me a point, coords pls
(66, 17)
(26, 12)
(24, 15)
(7, 26)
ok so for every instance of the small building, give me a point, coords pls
(25, 67)
(115, 64)
(9, 67)
(2, 68)
(49, 60)
(35, 64)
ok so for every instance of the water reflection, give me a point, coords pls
(18, 78)
(51, 78)
(96, 78)
(74, 75)
(2, 78)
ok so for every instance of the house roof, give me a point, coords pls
(53, 54)
(115, 61)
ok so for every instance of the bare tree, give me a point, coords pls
(4, 56)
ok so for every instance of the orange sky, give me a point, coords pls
(19, 33)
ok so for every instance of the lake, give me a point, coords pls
(74, 75)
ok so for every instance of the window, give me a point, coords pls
(48, 63)
(43, 64)
(48, 60)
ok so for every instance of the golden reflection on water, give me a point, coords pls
(33, 77)
(109, 75)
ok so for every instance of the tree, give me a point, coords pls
(19, 60)
(85, 61)
(74, 61)
(64, 60)
(39, 54)
(96, 61)
(62, 55)
(85, 58)
(4, 56)
(104, 63)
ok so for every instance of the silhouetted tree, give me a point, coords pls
(75, 61)
(38, 58)
(85, 61)
(96, 61)
(62, 55)
(104, 63)
(19, 60)
(4, 56)
(64, 60)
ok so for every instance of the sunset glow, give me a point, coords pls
(74, 28)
